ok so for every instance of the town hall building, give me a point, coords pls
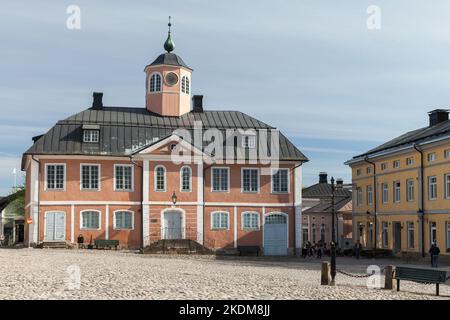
(119, 173)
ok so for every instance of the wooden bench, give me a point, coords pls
(420, 275)
(248, 249)
(106, 244)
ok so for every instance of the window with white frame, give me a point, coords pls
(397, 191)
(55, 176)
(305, 234)
(250, 221)
(358, 172)
(155, 82)
(219, 220)
(220, 177)
(410, 190)
(396, 164)
(410, 225)
(91, 136)
(123, 175)
(160, 178)
(359, 196)
(369, 195)
(433, 232)
(185, 84)
(384, 166)
(384, 193)
(431, 157)
(313, 233)
(90, 220)
(250, 180)
(447, 186)
(280, 181)
(90, 176)
(249, 141)
(409, 161)
(447, 154)
(322, 232)
(432, 188)
(186, 179)
(123, 220)
(384, 231)
(368, 170)
(448, 234)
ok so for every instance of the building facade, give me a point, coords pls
(401, 191)
(317, 212)
(170, 170)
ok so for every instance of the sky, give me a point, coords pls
(312, 68)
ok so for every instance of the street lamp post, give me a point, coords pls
(333, 236)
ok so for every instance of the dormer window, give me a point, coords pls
(185, 85)
(155, 82)
(249, 141)
(91, 133)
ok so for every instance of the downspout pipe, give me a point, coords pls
(374, 192)
(421, 207)
(39, 199)
(142, 200)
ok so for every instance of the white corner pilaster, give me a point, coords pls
(33, 232)
(145, 206)
(200, 212)
(235, 225)
(107, 222)
(72, 224)
(298, 206)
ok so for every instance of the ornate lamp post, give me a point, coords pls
(333, 239)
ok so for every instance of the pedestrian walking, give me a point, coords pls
(319, 249)
(357, 249)
(434, 253)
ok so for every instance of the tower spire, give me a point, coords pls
(169, 45)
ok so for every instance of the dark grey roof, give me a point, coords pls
(325, 206)
(125, 130)
(169, 59)
(415, 136)
(323, 190)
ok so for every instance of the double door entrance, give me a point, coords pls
(55, 226)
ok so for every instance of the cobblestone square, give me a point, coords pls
(51, 274)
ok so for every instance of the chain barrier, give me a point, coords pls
(352, 275)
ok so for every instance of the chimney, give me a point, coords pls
(97, 103)
(339, 182)
(437, 116)
(197, 103)
(323, 177)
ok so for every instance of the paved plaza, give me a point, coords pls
(96, 274)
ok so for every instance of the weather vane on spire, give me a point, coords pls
(169, 45)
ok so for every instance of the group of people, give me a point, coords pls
(310, 250)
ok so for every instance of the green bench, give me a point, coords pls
(420, 275)
(106, 244)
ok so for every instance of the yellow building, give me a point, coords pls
(401, 191)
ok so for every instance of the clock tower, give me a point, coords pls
(168, 83)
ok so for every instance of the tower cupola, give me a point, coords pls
(168, 82)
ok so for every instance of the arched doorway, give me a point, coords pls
(276, 234)
(172, 224)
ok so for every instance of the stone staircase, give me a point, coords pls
(176, 246)
(55, 245)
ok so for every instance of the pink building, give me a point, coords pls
(138, 175)
(317, 212)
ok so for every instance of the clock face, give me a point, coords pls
(171, 79)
